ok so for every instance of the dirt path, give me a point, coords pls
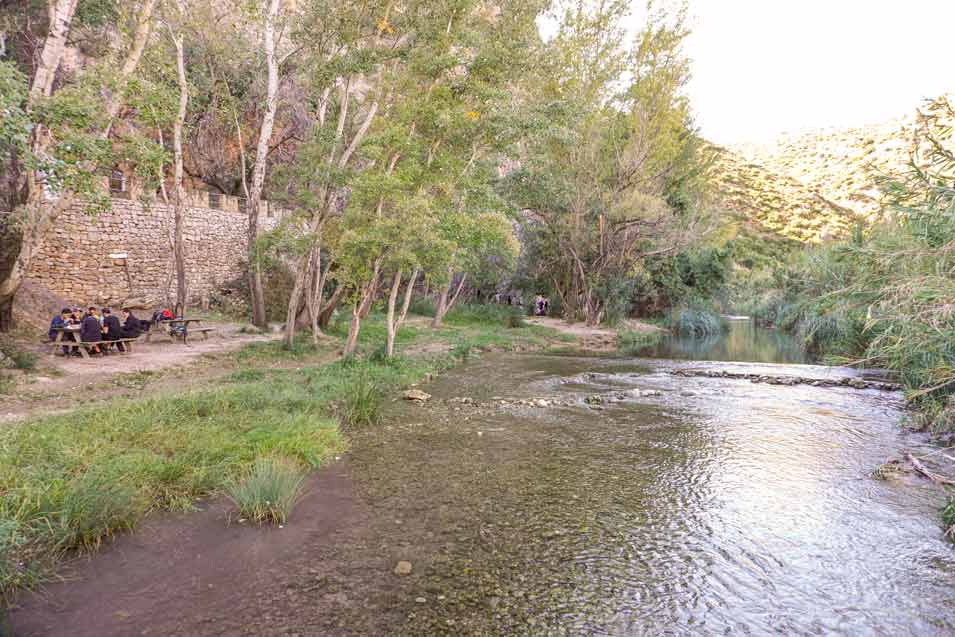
(591, 338)
(61, 384)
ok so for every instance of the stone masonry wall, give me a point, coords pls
(74, 260)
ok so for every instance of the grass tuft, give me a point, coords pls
(362, 398)
(695, 321)
(269, 491)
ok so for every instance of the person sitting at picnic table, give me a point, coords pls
(59, 321)
(112, 330)
(91, 331)
(132, 328)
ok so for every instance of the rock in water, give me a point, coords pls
(403, 568)
(416, 395)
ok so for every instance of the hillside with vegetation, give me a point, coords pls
(843, 166)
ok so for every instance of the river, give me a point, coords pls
(678, 506)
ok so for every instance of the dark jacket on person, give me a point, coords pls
(114, 330)
(90, 330)
(131, 327)
(56, 323)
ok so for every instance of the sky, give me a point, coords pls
(764, 67)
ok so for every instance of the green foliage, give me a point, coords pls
(884, 296)
(269, 491)
(616, 173)
(948, 517)
(363, 398)
(487, 314)
(695, 320)
(14, 121)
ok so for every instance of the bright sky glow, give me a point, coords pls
(763, 67)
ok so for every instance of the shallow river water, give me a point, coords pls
(678, 506)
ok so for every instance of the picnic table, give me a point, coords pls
(165, 326)
(78, 345)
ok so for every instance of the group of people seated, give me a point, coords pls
(99, 330)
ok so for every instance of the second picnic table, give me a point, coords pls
(166, 326)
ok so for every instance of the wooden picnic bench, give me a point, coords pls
(59, 341)
(82, 346)
(165, 328)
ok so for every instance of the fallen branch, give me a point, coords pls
(934, 477)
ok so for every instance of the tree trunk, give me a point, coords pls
(259, 318)
(6, 314)
(444, 303)
(61, 17)
(317, 294)
(325, 316)
(439, 310)
(409, 292)
(391, 323)
(291, 314)
(352, 341)
(179, 249)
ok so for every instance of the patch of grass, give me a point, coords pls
(362, 399)
(269, 490)
(135, 380)
(630, 342)
(69, 480)
(7, 383)
(486, 314)
(246, 376)
(19, 358)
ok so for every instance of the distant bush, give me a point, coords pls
(697, 321)
(270, 491)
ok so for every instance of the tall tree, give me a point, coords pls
(179, 200)
(614, 175)
(66, 141)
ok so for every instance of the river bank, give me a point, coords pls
(521, 506)
(539, 493)
(74, 479)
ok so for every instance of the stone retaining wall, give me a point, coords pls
(74, 260)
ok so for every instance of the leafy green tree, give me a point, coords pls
(615, 173)
(59, 137)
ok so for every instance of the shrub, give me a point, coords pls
(695, 321)
(270, 490)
